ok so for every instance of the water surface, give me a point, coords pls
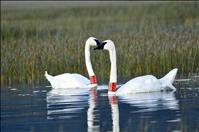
(41, 108)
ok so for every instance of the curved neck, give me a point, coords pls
(113, 73)
(88, 61)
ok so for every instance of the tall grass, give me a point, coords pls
(149, 39)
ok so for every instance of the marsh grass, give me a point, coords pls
(149, 39)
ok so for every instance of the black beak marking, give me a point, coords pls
(100, 45)
(98, 42)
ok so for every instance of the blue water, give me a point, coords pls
(41, 109)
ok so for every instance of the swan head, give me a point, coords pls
(105, 45)
(92, 41)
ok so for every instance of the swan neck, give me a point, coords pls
(113, 73)
(88, 61)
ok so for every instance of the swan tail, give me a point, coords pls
(169, 78)
(48, 77)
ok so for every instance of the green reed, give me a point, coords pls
(149, 39)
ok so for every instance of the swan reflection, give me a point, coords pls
(66, 103)
(151, 101)
(114, 112)
(93, 111)
(92, 120)
(146, 102)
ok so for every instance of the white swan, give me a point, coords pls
(147, 83)
(74, 80)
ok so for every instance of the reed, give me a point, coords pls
(149, 39)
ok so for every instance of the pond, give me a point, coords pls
(40, 108)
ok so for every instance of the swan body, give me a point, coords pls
(147, 83)
(74, 80)
(67, 80)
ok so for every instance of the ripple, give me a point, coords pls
(175, 120)
(13, 89)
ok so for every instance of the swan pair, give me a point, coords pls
(147, 83)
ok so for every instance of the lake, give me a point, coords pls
(40, 108)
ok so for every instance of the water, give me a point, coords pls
(42, 109)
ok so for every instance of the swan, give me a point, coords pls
(147, 83)
(74, 80)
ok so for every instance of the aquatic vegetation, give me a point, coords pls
(150, 39)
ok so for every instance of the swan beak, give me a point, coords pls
(100, 46)
(97, 42)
